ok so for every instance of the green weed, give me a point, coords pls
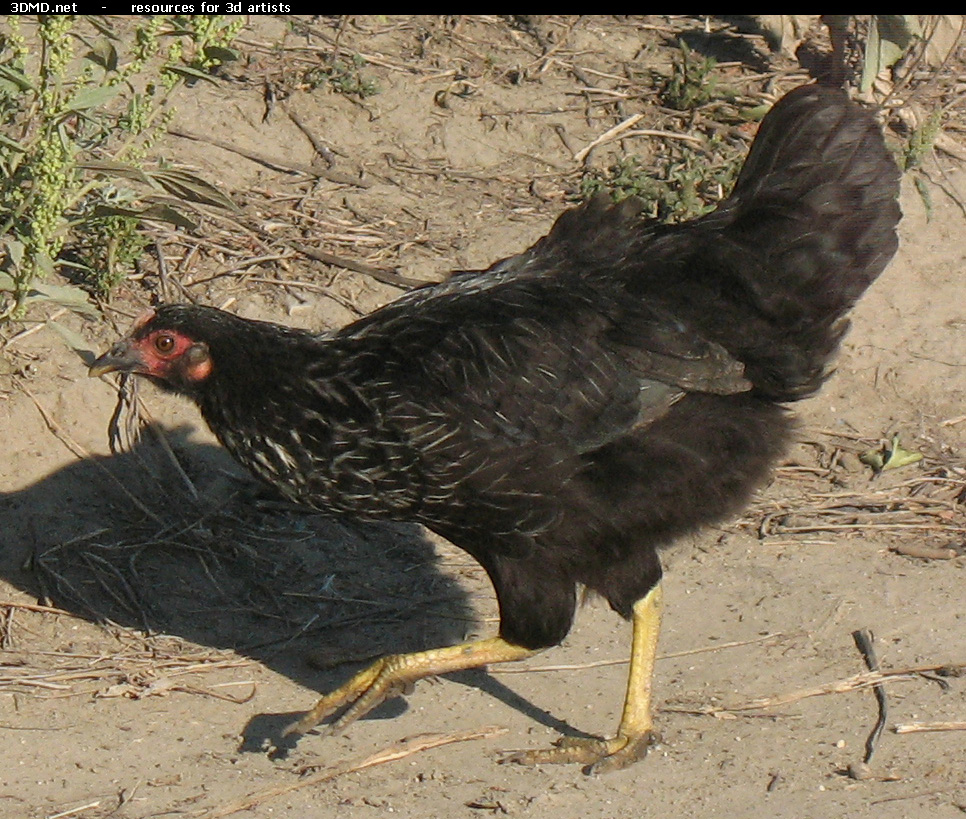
(909, 157)
(678, 187)
(692, 82)
(920, 142)
(77, 120)
(342, 77)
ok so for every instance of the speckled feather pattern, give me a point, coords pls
(565, 413)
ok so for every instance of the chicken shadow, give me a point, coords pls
(172, 537)
(725, 46)
(733, 45)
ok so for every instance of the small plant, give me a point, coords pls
(623, 179)
(692, 82)
(919, 143)
(889, 38)
(342, 77)
(211, 35)
(77, 119)
(678, 188)
(105, 251)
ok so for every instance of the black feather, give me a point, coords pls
(566, 412)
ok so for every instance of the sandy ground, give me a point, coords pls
(160, 624)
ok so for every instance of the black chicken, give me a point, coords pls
(563, 414)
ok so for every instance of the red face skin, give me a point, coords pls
(169, 356)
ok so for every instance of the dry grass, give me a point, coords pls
(833, 493)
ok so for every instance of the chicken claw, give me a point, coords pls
(597, 754)
(396, 674)
(634, 736)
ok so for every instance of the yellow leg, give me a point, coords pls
(634, 733)
(394, 674)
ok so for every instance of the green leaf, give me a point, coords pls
(166, 213)
(104, 54)
(224, 55)
(11, 144)
(157, 212)
(871, 64)
(103, 26)
(92, 97)
(899, 457)
(922, 188)
(899, 29)
(753, 114)
(17, 78)
(44, 264)
(885, 458)
(75, 341)
(190, 73)
(64, 295)
(15, 249)
(117, 169)
(193, 189)
(889, 37)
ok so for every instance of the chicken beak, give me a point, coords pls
(123, 357)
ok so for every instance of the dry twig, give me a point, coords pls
(263, 159)
(864, 642)
(922, 727)
(608, 136)
(604, 663)
(853, 683)
(81, 452)
(384, 276)
(399, 750)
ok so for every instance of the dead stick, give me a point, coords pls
(35, 607)
(922, 727)
(853, 683)
(82, 453)
(36, 328)
(74, 811)
(651, 132)
(384, 276)
(915, 795)
(924, 552)
(160, 437)
(277, 164)
(604, 663)
(399, 750)
(607, 136)
(321, 148)
(863, 641)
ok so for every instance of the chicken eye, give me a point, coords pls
(164, 343)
